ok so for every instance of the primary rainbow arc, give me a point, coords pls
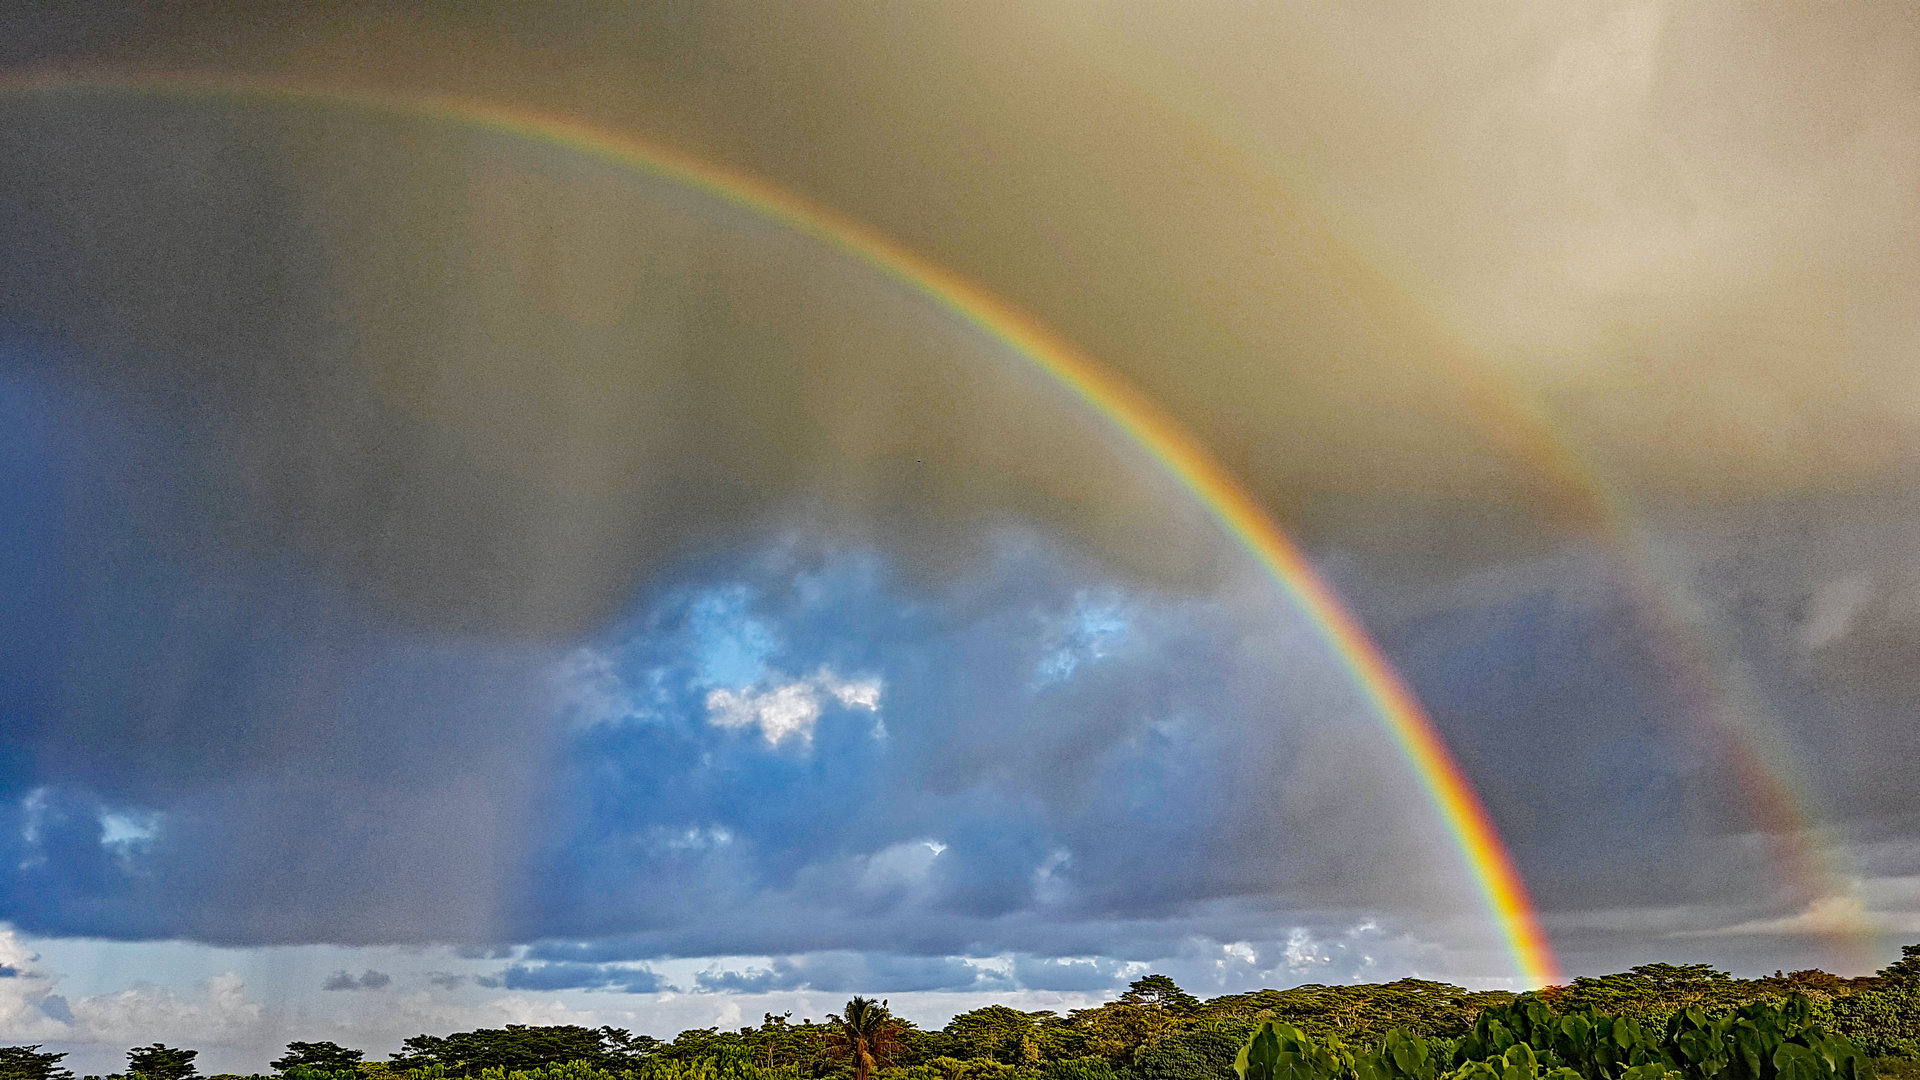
(1138, 416)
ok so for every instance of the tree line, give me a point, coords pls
(1158, 1031)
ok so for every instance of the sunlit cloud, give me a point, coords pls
(790, 710)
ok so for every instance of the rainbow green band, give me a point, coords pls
(1143, 420)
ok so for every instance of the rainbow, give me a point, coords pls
(1715, 693)
(1141, 419)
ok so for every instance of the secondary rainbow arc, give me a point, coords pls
(1143, 421)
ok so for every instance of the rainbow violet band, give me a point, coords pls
(1139, 417)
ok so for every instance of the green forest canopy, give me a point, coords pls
(1155, 1031)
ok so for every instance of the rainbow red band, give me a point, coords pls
(1143, 420)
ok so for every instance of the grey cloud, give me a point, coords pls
(370, 540)
(849, 972)
(733, 365)
(569, 976)
(367, 980)
(1069, 973)
(1724, 638)
(1684, 230)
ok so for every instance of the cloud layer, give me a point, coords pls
(621, 583)
(1023, 755)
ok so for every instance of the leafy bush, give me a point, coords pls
(1883, 1023)
(1277, 1051)
(1527, 1040)
(952, 1068)
(1760, 1041)
(1090, 1067)
(716, 1067)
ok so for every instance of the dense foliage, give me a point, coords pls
(1417, 1006)
(517, 1047)
(318, 1057)
(29, 1063)
(1528, 1040)
(161, 1062)
(1654, 1022)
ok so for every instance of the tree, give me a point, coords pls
(1091, 1067)
(518, 1046)
(866, 1034)
(625, 1047)
(1882, 1023)
(996, 1032)
(779, 1043)
(28, 1063)
(1203, 1052)
(1118, 1029)
(1366, 1011)
(1652, 992)
(1161, 990)
(326, 1056)
(1904, 970)
(162, 1062)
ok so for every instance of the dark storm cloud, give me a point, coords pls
(1816, 594)
(291, 425)
(176, 726)
(1180, 259)
(1775, 631)
(492, 386)
(38, 32)
(994, 754)
(375, 420)
(1560, 650)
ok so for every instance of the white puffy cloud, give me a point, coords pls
(791, 709)
(217, 1012)
(221, 1013)
(29, 1010)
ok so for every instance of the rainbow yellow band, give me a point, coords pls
(1142, 419)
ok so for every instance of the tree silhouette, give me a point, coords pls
(331, 1057)
(1904, 970)
(865, 1033)
(1162, 991)
(162, 1062)
(28, 1063)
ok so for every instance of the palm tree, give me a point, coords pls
(867, 1033)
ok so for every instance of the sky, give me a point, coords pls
(452, 580)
